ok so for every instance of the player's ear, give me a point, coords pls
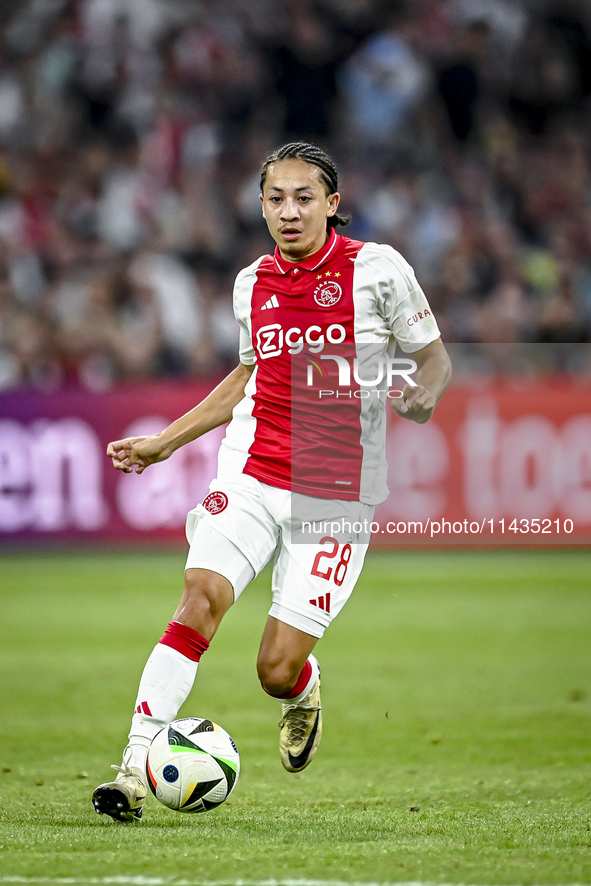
(333, 204)
(263, 205)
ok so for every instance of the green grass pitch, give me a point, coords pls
(457, 725)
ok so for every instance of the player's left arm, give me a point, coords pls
(433, 376)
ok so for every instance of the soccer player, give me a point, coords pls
(291, 449)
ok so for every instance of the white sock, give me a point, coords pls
(167, 679)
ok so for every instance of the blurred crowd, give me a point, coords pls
(131, 137)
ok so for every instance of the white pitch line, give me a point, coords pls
(160, 881)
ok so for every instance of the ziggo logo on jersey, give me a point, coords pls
(271, 339)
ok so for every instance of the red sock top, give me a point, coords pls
(301, 683)
(185, 640)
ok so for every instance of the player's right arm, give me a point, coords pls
(137, 453)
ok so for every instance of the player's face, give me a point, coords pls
(296, 206)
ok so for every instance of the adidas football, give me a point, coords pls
(193, 765)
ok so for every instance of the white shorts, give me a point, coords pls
(243, 523)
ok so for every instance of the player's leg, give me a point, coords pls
(170, 671)
(283, 655)
(311, 584)
(289, 672)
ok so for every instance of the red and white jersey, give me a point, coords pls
(306, 422)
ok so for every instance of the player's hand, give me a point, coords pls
(137, 453)
(416, 404)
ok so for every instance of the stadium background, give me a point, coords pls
(456, 683)
(131, 133)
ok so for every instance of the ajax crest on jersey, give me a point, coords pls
(327, 294)
(193, 765)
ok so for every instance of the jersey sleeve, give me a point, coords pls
(241, 301)
(403, 303)
(246, 350)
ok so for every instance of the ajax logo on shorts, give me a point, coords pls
(215, 502)
(327, 294)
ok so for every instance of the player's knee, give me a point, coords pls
(277, 678)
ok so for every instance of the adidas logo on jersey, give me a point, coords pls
(272, 302)
(322, 602)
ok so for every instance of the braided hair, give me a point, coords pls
(315, 157)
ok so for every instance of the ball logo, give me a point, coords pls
(327, 294)
(170, 773)
(215, 502)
